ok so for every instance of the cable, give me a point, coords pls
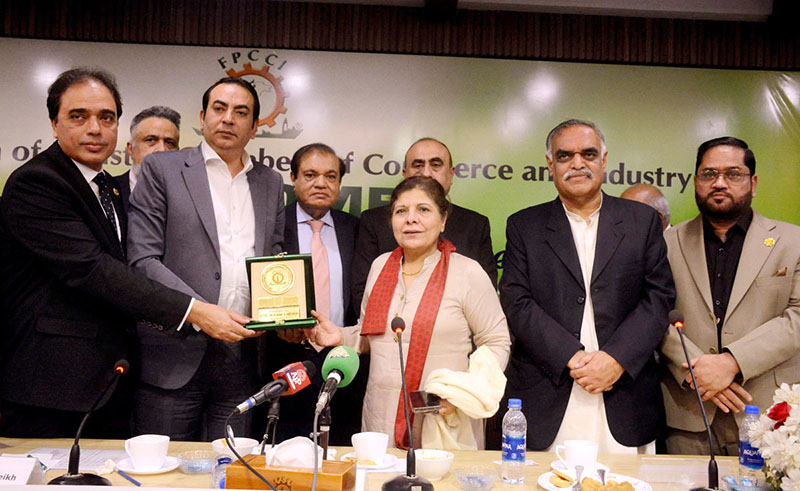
(316, 454)
(231, 445)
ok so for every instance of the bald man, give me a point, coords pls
(651, 196)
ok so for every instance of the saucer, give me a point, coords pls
(588, 471)
(638, 484)
(388, 461)
(126, 465)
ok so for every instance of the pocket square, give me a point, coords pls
(782, 272)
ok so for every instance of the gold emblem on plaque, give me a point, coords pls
(277, 279)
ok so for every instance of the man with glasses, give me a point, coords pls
(737, 276)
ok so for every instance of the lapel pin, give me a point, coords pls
(116, 193)
(769, 242)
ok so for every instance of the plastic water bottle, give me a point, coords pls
(515, 429)
(750, 460)
(221, 463)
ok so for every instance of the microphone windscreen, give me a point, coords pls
(398, 324)
(675, 316)
(122, 366)
(344, 359)
(311, 369)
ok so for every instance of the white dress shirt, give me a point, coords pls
(328, 235)
(236, 222)
(585, 416)
(89, 174)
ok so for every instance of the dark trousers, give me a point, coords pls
(198, 410)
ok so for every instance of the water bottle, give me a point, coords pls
(750, 460)
(221, 463)
(515, 429)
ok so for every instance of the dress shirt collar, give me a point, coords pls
(87, 172)
(211, 157)
(133, 176)
(739, 227)
(303, 217)
(576, 217)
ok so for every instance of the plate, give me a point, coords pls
(170, 464)
(638, 484)
(590, 472)
(388, 461)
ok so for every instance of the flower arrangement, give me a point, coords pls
(777, 436)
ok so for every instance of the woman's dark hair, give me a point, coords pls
(429, 186)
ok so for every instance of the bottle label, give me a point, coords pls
(750, 456)
(514, 448)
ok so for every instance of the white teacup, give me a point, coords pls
(147, 452)
(370, 446)
(577, 452)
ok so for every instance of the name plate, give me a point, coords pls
(18, 471)
(281, 291)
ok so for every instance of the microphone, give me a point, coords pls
(410, 481)
(288, 380)
(73, 477)
(676, 319)
(338, 370)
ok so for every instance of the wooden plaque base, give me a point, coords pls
(333, 476)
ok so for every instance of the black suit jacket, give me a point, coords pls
(297, 411)
(123, 184)
(68, 298)
(467, 230)
(543, 295)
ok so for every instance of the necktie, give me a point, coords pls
(104, 185)
(322, 278)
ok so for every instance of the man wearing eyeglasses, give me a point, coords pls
(737, 276)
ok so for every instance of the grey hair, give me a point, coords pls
(165, 112)
(568, 124)
(661, 205)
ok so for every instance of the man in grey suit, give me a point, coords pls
(195, 215)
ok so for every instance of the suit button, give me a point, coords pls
(216, 276)
(581, 299)
(712, 350)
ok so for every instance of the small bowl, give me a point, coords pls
(433, 464)
(196, 461)
(245, 446)
(476, 478)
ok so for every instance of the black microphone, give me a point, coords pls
(410, 481)
(289, 379)
(73, 477)
(676, 319)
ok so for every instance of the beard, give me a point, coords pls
(730, 210)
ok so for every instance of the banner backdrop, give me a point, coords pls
(493, 114)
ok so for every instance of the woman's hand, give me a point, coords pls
(325, 333)
(447, 408)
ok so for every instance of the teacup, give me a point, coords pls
(147, 452)
(577, 452)
(370, 446)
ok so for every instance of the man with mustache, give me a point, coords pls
(195, 215)
(586, 289)
(737, 277)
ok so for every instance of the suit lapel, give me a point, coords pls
(258, 194)
(754, 254)
(290, 242)
(609, 234)
(693, 250)
(195, 177)
(559, 238)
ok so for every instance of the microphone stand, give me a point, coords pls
(273, 414)
(73, 477)
(410, 481)
(713, 471)
(324, 431)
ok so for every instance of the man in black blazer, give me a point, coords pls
(316, 174)
(467, 230)
(586, 288)
(155, 129)
(68, 298)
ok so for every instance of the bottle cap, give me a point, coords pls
(749, 409)
(514, 404)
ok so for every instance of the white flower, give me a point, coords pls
(781, 449)
(791, 481)
(787, 394)
(759, 429)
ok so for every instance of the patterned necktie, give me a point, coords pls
(104, 185)
(322, 277)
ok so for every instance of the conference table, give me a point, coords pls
(662, 472)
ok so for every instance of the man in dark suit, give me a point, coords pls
(195, 215)
(586, 289)
(316, 174)
(467, 230)
(155, 129)
(68, 298)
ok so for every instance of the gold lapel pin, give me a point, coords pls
(116, 193)
(769, 242)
